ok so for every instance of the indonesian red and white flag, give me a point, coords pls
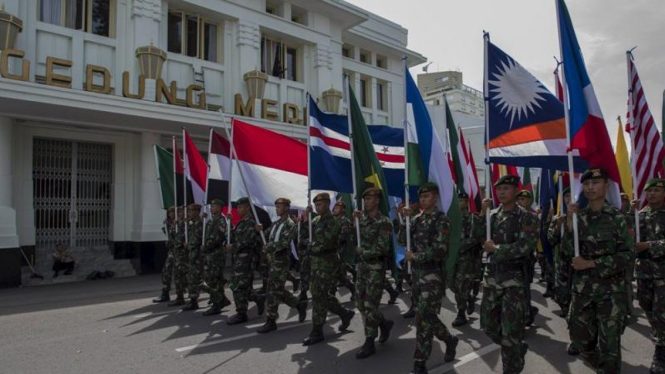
(219, 160)
(196, 170)
(273, 166)
(648, 151)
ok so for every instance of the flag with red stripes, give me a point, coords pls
(196, 170)
(472, 176)
(648, 151)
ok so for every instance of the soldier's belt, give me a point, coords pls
(429, 266)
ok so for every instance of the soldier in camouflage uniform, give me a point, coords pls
(373, 256)
(181, 269)
(504, 308)
(325, 262)
(562, 259)
(468, 263)
(214, 252)
(279, 237)
(650, 266)
(430, 238)
(599, 303)
(244, 242)
(346, 252)
(168, 228)
(193, 246)
(304, 261)
(525, 200)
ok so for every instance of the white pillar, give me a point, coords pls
(149, 211)
(8, 236)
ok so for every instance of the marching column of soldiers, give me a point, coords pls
(591, 280)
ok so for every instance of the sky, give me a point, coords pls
(450, 34)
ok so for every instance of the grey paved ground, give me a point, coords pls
(110, 326)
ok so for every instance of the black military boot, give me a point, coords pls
(225, 302)
(572, 351)
(409, 313)
(316, 336)
(419, 367)
(549, 292)
(264, 287)
(178, 301)
(460, 320)
(303, 295)
(237, 318)
(302, 311)
(162, 298)
(213, 310)
(398, 287)
(367, 349)
(393, 295)
(269, 326)
(658, 363)
(471, 306)
(192, 304)
(533, 312)
(384, 330)
(346, 316)
(296, 283)
(451, 348)
(260, 304)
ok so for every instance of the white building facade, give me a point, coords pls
(88, 86)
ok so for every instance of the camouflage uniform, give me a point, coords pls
(304, 261)
(375, 234)
(346, 253)
(181, 268)
(325, 262)
(279, 236)
(430, 238)
(563, 259)
(468, 265)
(214, 251)
(504, 308)
(599, 301)
(245, 241)
(169, 265)
(650, 275)
(194, 232)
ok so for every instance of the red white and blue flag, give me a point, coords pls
(588, 132)
(527, 125)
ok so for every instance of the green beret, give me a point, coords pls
(525, 193)
(340, 203)
(194, 206)
(219, 202)
(655, 182)
(595, 173)
(428, 187)
(511, 180)
(322, 196)
(372, 191)
(171, 209)
(463, 195)
(243, 201)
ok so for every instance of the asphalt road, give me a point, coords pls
(111, 326)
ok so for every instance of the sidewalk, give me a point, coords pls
(56, 296)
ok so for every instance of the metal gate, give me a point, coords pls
(72, 192)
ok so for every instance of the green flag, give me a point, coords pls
(369, 172)
(526, 179)
(165, 176)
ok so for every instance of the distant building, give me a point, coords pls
(467, 106)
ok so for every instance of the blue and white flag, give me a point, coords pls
(330, 151)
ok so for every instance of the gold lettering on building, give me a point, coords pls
(126, 89)
(162, 91)
(269, 114)
(58, 80)
(242, 109)
(4, 65)
(90, 72)
(291, 114)
(198, 90)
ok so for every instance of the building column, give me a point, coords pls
(149, 212)
(248, 54)
(8, 236)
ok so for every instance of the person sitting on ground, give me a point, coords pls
(62, 261)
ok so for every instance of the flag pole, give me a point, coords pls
(309, 171)
(566, 104)
(353, 162)
(633, 172)
(560, 181)
(175, 181)
(242, 177)
(406, 166)
(230, 188)
(206, 208)
(488, 191)
(184, 179)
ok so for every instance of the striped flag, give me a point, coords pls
(648, 151)
(456, 154)
(474, 197)
(196, 170)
